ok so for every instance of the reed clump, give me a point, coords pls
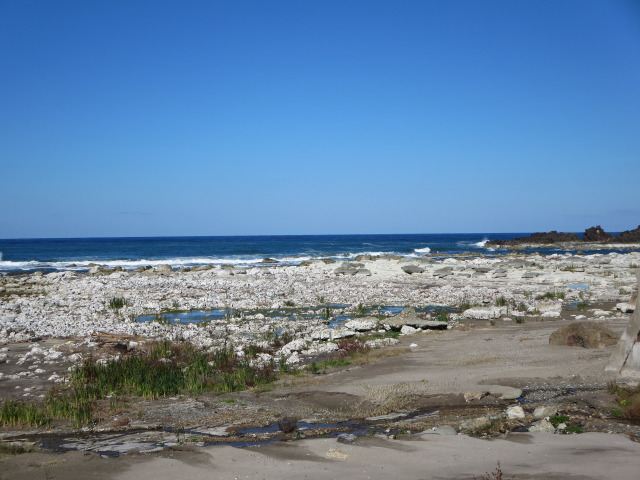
(163, 369)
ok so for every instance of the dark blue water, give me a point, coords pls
(78, 253)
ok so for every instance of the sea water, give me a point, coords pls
(24, 255)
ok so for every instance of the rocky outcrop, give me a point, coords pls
(584, 334)
(596, 234)
(591, 235)
(629, 236)
(545, 238)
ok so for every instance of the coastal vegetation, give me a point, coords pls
(627, 401)
(497, 474)
(163, 368)
(117, 303)
(552, 296)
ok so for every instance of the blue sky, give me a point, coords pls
(145, 118)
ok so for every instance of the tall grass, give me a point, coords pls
(163, 369)
(117, 303)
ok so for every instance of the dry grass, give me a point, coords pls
(385, 399)
(497, 474)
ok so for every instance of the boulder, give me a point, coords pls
(294, 346)
(443, 272)
(484, 313)
(541, 412)
(409, 317)
(481, 270)
(407, 330)
(475, 424)
(164, 268)
(410, 269)
(347, 438)
(345, 270)
(515, 412)
(584, 334)
(269, 260)
(472, 396)
(627, 307)
(350, 268)
(361, 325)
(544, 426)
(510, 393)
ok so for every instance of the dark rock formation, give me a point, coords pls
(591, 235)
(547, 238)
(630, 236)
(596, 234)
(584, 334)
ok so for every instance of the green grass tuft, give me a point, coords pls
(116, 303)
(164, 369)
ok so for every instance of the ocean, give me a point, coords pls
(28, 255)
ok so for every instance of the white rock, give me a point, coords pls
(407, 330)
(626, 307)
(294, 346)
(543, 426)
(484, 313)
(541, 412)
(361, 325)
(515, 411)
(381, 342)
(294, 359)
(53, 355)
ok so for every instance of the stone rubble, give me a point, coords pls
(76, 306)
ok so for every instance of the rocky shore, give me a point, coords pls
(458, 345)
(592, 239)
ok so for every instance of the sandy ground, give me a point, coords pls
(527, 456)
(435, 370)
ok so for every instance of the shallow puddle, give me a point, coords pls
(150, 441)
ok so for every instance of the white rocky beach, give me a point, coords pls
(479, 364)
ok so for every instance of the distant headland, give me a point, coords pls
(592, 235)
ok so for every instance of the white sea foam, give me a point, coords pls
(177, 262)
(482, 243)
(84, 264)
(422, 250)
